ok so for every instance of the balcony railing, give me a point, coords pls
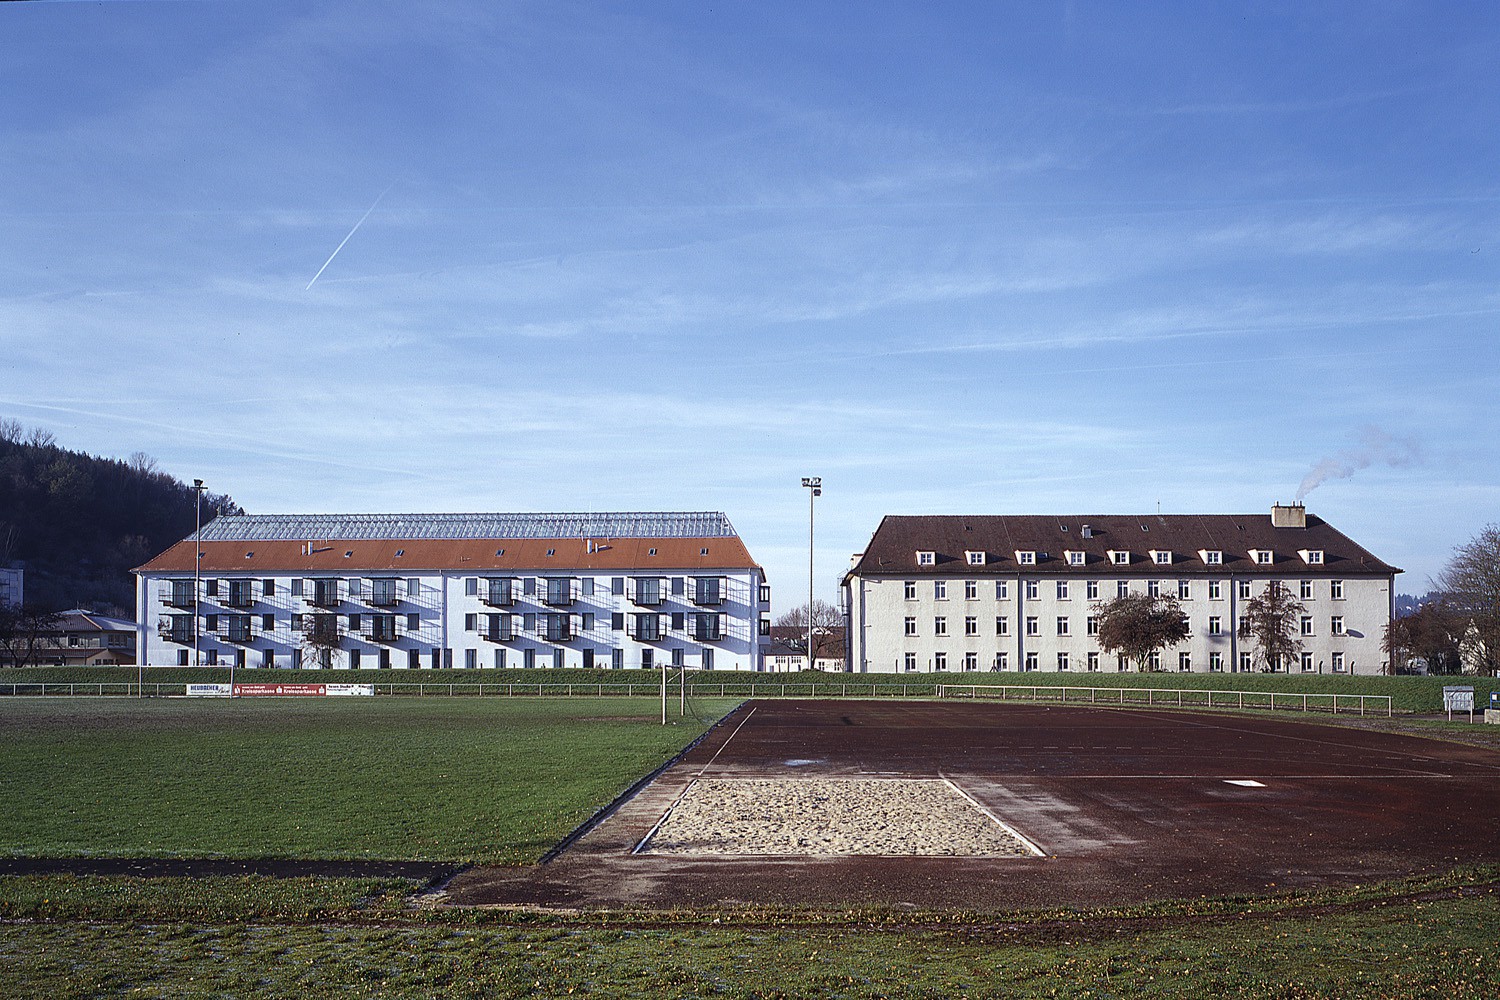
(708, 591)
(498, 628)
(558, 592)
(237, 631)
(324, 595)
(557, 628)
(240, 594)
(498, 594)
(648, 592)
(706, 628)
(645, 628)
(383, 594)
(177, 597)
(322, 628)
(180, 634)
(382, 628)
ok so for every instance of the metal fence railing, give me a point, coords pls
(1119, 696)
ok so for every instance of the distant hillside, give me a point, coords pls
(79, 523)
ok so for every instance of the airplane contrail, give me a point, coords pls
(346, 239)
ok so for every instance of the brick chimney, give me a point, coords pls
(1293, 515)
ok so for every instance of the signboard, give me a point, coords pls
(209, 691)
(1458, 699)
(278, 690)
(367, 690)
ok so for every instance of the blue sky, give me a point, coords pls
(1003, 258)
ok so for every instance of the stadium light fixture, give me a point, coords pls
(814, 486)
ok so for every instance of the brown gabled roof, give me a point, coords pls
(335, 557)
(894, 547)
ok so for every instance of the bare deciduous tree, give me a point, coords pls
(1137, 625)
(1272, 621)
(1471, 590)
(826, 621)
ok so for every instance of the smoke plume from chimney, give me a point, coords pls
(1374, 446)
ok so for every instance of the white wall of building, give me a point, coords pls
(441, 618)
(1022, 622)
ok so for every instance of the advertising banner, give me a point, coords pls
(279, 690)
(208, 691)
(367, 690)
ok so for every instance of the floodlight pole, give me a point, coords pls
(198, 566)
(664, 694)
(814, 486)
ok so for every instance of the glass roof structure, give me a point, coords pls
(314, 527)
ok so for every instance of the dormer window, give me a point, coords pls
(1161, 558)
(1262, 557)
(1076, 558)
(1211, 557)
(1026, 557)
(926, 558)
(1313, 557)
(974, 558)
(1119, 558)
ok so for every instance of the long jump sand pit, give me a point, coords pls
(829, 817)
(1123, 806)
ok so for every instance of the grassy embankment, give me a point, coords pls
(1408, 694)
(492, 780)
(82, 938)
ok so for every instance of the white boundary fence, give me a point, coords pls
(1119, 696)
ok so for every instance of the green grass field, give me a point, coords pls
(461, 779)
(1408, 694)
(62, 939)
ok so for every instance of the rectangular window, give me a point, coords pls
(413, 587)
(1031, 661)
(413, 622)
(939, 661)
(1215, 625)
(1026, 558)
(1244, 590)
(1033, 626)
(1307, 662)
(975, 558)
(1184, 590)
(1091, 625)
(1002, 661)
(211, 623)
(940, 590)
(1033, 590)
(1307, 624)
(1062, 661)
(355, 588)
(268, 587)
(679, 586)
(1213, 557)
(471, 622)
(1264, 557)
(1338, 663)
(765, 593)
(1153, 588)
(971, 662)
(297, 587)
(1120, 558)
(617, 621)
(1184, 662)
(1215, 590)
(1162, 558)
(1093, 590)
(1076, 558)
(1154, 660)
(971, 625)
(1307, 590)
(911, 625)
(471, 659)
(1122, 588)
(1216, 663)
(1062, 626)
(940, 626)
(1336, 589)
(586, 586)
(1336, 625)
(617, 586)
(911, 590)
(211, 588)
(926, 558)
(677, 620)
(1062, 590)
(1244, 629)
(1002, 590)
(617, 656)
(909, 662)
(1002, 625)
(1093, 663)
(471, 586)
(971, 590)
(1244, 663)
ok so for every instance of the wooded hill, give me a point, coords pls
(79, 522)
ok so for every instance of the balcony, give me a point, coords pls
(322, 628)
(382, 628)
(178, 596)
(708, 591)
(558, 592)
(383, 594)
(706, 628)
(497, 628)
(240, 594)
(557, 628)
(173, 631)
(237, 629)
(324, 594)
(498, 593)
(648, 592)
(645, 628)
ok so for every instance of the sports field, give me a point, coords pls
(1378, 846)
